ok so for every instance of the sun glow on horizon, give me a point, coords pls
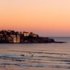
(45, 17)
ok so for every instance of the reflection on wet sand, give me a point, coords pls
(31, 58)
(36, 59)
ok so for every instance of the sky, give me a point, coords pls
(44, 17)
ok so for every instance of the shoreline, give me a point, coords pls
(37, 43)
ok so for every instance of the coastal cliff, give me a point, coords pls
(11, 36)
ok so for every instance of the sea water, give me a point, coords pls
(51, 56)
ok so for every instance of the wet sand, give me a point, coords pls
(34, 57)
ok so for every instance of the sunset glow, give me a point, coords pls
(44, 17)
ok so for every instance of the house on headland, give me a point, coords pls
(10, 36)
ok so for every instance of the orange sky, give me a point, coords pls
(45, 17)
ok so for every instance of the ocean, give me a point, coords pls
(51, 56)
